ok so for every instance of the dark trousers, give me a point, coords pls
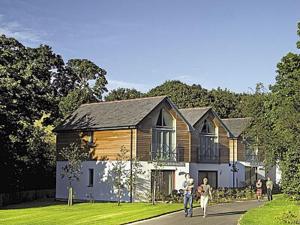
(269, 193)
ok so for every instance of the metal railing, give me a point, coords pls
(166, 153)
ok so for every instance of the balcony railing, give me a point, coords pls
(166, 154)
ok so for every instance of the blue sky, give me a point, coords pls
(233, 44)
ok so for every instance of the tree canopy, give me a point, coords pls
(34, 82)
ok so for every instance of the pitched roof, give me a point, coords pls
(124, 113)
(237, 125)
(193, 115)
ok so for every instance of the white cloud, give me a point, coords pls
(18, 31)
(113, 84)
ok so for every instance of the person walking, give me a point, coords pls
(258, 189)
(188, 186)
(269, 185)
(205, 192)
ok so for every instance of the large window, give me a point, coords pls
(208, 147)
(163, 137)
(164, 182)
(212, 177)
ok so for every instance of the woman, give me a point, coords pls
(205, 192)
(258, 189)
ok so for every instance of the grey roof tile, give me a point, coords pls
(103, 115)
(193, 115)
(237, 125)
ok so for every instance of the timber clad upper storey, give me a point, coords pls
(153, 127)
(148, 127)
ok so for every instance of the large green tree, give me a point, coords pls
(183, 95)
(276, 122)
(26, 93)
(285, 115)
(225, 102)
(123, 94)
(86, 82)
(34, 82)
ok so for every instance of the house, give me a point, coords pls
(194, 141)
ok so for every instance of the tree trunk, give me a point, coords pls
(70, 197)
(119, 195)
(154, 191)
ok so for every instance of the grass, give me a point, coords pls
(280, 211)
(81, 213)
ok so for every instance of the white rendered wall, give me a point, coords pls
(224, 172)
(103, 189)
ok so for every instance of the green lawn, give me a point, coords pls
(276, 212)
(81, 213)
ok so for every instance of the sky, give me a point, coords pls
(231, 44)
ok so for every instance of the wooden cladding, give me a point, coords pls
(237, 149)
(106, 144)
(144, 134)
(64, 140)
(109, 142)
(222, 140)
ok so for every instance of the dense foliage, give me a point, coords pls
(123, 94)
(34, 82)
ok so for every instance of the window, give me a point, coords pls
(208, 147)
(165, 182)
(207, 128)
(250, 176)
(91, 177)
(212, 177)
(163, 137)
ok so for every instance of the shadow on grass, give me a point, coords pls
(36, 204)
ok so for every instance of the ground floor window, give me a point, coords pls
(250, 176)
(212, 177)
(163, 181)
(91, 177)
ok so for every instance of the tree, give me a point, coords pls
(158, 163)
(181, 94)
(225, 102)
(133, 181)
(74, 155)
(86, 84)
(285, 118)
(123, 94)
(26, 94)
(120, 173)
(277, 123)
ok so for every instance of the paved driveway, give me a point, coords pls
(222, 214)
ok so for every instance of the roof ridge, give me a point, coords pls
(205, 107)
(124, 100)
(248, 117)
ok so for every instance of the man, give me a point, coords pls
(269, 185)
(188, 187)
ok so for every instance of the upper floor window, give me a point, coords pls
(163, 136)
(164, 119)
(208, 148)
(208, 127)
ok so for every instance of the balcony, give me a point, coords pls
(165, 153)
(208, 149)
